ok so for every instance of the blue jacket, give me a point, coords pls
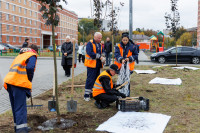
(90, 52)
(126, 48)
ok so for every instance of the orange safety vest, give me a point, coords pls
(89, 62)
(98, 88)
(131, 64)
(17, 74)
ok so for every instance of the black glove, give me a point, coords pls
(122, 95)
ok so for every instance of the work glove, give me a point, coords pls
(122, 95)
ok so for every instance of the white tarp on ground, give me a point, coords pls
(135, 122)
(145, 71)
(165, 81)
(187, 67)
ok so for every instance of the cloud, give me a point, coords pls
(148, 14)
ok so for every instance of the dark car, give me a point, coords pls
(184, 54)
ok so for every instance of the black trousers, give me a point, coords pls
(67, 69)
(105, 99)
(83, 58)
(79, 57)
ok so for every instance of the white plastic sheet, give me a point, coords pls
(135, 122)
(145, 71)
(1, 82)
(166, 81)
(187, 67)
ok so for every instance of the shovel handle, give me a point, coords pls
(73, 61)
(122, 85)
(54, 88)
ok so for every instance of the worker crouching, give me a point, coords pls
(103, 90)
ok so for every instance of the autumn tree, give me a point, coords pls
(185, 39)
(49, 10)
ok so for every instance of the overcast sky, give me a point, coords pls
(148, 14)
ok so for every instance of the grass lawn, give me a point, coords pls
(181, 102)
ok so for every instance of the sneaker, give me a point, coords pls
(87, 99)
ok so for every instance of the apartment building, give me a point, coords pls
(20, 19)
(198, 25)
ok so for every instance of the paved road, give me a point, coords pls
(42, 81)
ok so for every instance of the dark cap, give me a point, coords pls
(125, 34)
(115, 68)
(26, 39)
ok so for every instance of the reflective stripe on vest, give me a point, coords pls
(17, 74)
(119, 64)
(89, 62)
(98, 88)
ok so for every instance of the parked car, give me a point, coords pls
(51, 48)
(3, 48)
(184, 54)
(11, 47)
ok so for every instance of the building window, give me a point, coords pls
(30, 40)
(7, 16)
(30, 3)
(30, 31)
(7, 27)
(20, 19)
(13, 18)
(35, 14)
(20, 39)
(25, 30)
(7, 5)
(20, 29)
(25, 20)
(19, 1)
(20, 9)
(13, 7)
(7, 38)
(14, 27)
(35, 23)
(14, 38)
(25, 10)
(30, 22)
(0, 15)
(35, 31)
(0, 3)
(34, 5)
(30, 13)
(35, 40)
(24, 2)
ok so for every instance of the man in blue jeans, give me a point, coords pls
(108, 50)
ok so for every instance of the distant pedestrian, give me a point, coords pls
(108, 50)
(102, 44)
(25, 44)
(66, 49)
(18, 83)
(80, 52)
(83, 52)
(1, 82)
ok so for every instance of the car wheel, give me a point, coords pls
(161, 59)
(195, 60)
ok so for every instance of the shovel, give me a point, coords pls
(33, 106)
(72, 105)
(52, 104)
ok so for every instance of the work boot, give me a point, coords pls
(98, 105)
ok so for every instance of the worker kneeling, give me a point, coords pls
(103, 90)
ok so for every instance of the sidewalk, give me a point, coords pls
(142, 57)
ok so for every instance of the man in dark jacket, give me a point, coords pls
(25, 44)
(67, 49)
(103, 90)
(108, 50)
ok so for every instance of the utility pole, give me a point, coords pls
(113, 44)
(130, 18)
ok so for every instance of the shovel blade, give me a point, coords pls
(52, 106)
(72, 106)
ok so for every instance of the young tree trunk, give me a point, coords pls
(55, 70)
